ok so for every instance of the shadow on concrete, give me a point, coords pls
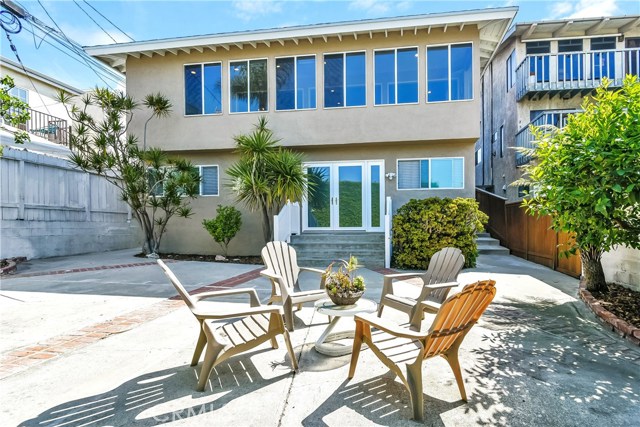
(156, 398)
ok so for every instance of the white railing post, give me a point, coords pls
(286, 222)
(387, 233)
(295, 218)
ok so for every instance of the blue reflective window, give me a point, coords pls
(306, 80)
(202, 89)
(285, 84)
(344, 80)
(424, 173)
(192, 89)
(407, 87)
(450, 72)
(355, 78)
(212, 88)
(384, 64)
(430, 173)
(296, 83)
(396, 76)
(334, 80)
(248, 86)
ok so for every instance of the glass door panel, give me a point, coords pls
(375, 194)
(350, 196)
(319, 203)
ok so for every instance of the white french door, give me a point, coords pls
(345, 196)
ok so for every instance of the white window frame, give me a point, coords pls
(295, 81)
(184, 89)
(426, 70)
(26, 94)
(395, 74)
(344, 79)
(248, 61)
(202, 180)
(510, 71)
(430, 170)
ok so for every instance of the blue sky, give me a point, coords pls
(145, 20)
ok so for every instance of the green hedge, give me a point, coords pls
(423, 227)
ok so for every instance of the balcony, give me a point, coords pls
(551, 120)
(569, 74)
(47, 126)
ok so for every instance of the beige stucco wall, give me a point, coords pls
(188, 235)
(622, 266)
(370, 124)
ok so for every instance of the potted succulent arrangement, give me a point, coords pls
(341, 285)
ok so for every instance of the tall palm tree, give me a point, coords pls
(267, 175)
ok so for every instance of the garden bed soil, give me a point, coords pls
(256, 260)
(622, 302)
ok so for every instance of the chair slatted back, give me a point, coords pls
(457, 315)
(281, 258)
(444, 267)
(176, 284)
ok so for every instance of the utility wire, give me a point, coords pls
(109, 21)
(78, 51)
(95, 22)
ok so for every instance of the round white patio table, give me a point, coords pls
(328, 308)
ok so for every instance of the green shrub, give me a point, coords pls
(224, 226)
(423, 227)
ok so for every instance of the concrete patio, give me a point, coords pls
(94, 340)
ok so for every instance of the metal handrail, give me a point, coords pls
(47, 126)
(525, 139)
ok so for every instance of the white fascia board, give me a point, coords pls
(468, 17)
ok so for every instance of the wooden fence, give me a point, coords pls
(527, 236)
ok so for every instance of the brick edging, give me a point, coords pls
(84, 269)
(617, 325)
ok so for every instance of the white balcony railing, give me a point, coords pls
(575, 70)
(287, 222)
(551, 119)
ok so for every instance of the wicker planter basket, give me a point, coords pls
(349, 299)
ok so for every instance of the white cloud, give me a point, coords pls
(251, 9)
(584, 9)
(370, 6)
(86, 37)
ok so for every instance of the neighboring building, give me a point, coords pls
(381, 108)
(541, 72)
(49, 118)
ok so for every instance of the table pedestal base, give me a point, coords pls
(324, 344)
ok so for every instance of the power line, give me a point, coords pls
(109, 21)
(94, 21)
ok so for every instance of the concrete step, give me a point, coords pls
(493, 250)
(483, 235)
(487, 241)
(319, 249)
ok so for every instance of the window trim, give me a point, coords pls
(510, 70)
(295, 82)
(184, 89)
(426, 71)
(229, 61)
(501, 136)
(344, 80)
(395, 75)
(430, 170)
(202, 180)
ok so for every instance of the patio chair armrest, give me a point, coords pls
(276, 279)
(442, 285)
(313, 270)
(240, 312)
(400, 276)
(253, 295)
(389, 327)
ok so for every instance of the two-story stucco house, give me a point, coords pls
(385, 108)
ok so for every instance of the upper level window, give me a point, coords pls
(21, 94)
(202, 89)
(570, 65)
(296, 83)
(438, 172)
(248, 86)
(603, 43)
(396, 76)
(450, 72)
(603, 63)
(344, 80)
(510, 76)
(539, 60)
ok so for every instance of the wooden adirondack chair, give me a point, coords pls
(403, 350)
(250, 327)
(283, 271)
(437, 281)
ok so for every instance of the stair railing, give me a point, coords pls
(287, 222)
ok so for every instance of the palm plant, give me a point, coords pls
(267, 175)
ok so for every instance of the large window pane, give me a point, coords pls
(212, 88)
(407, 88)
(319, 214)
(461, 71)
(438, 73)
(239, 86)
(350, 196)
(385, 92)
(258, 85)
(408, 174)
(334, 80)
(285, 84)
(306, 79)
(193, 89)
(424, 173)
(209, 184)
(375, 195)
(446, 173)
(356, 79)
